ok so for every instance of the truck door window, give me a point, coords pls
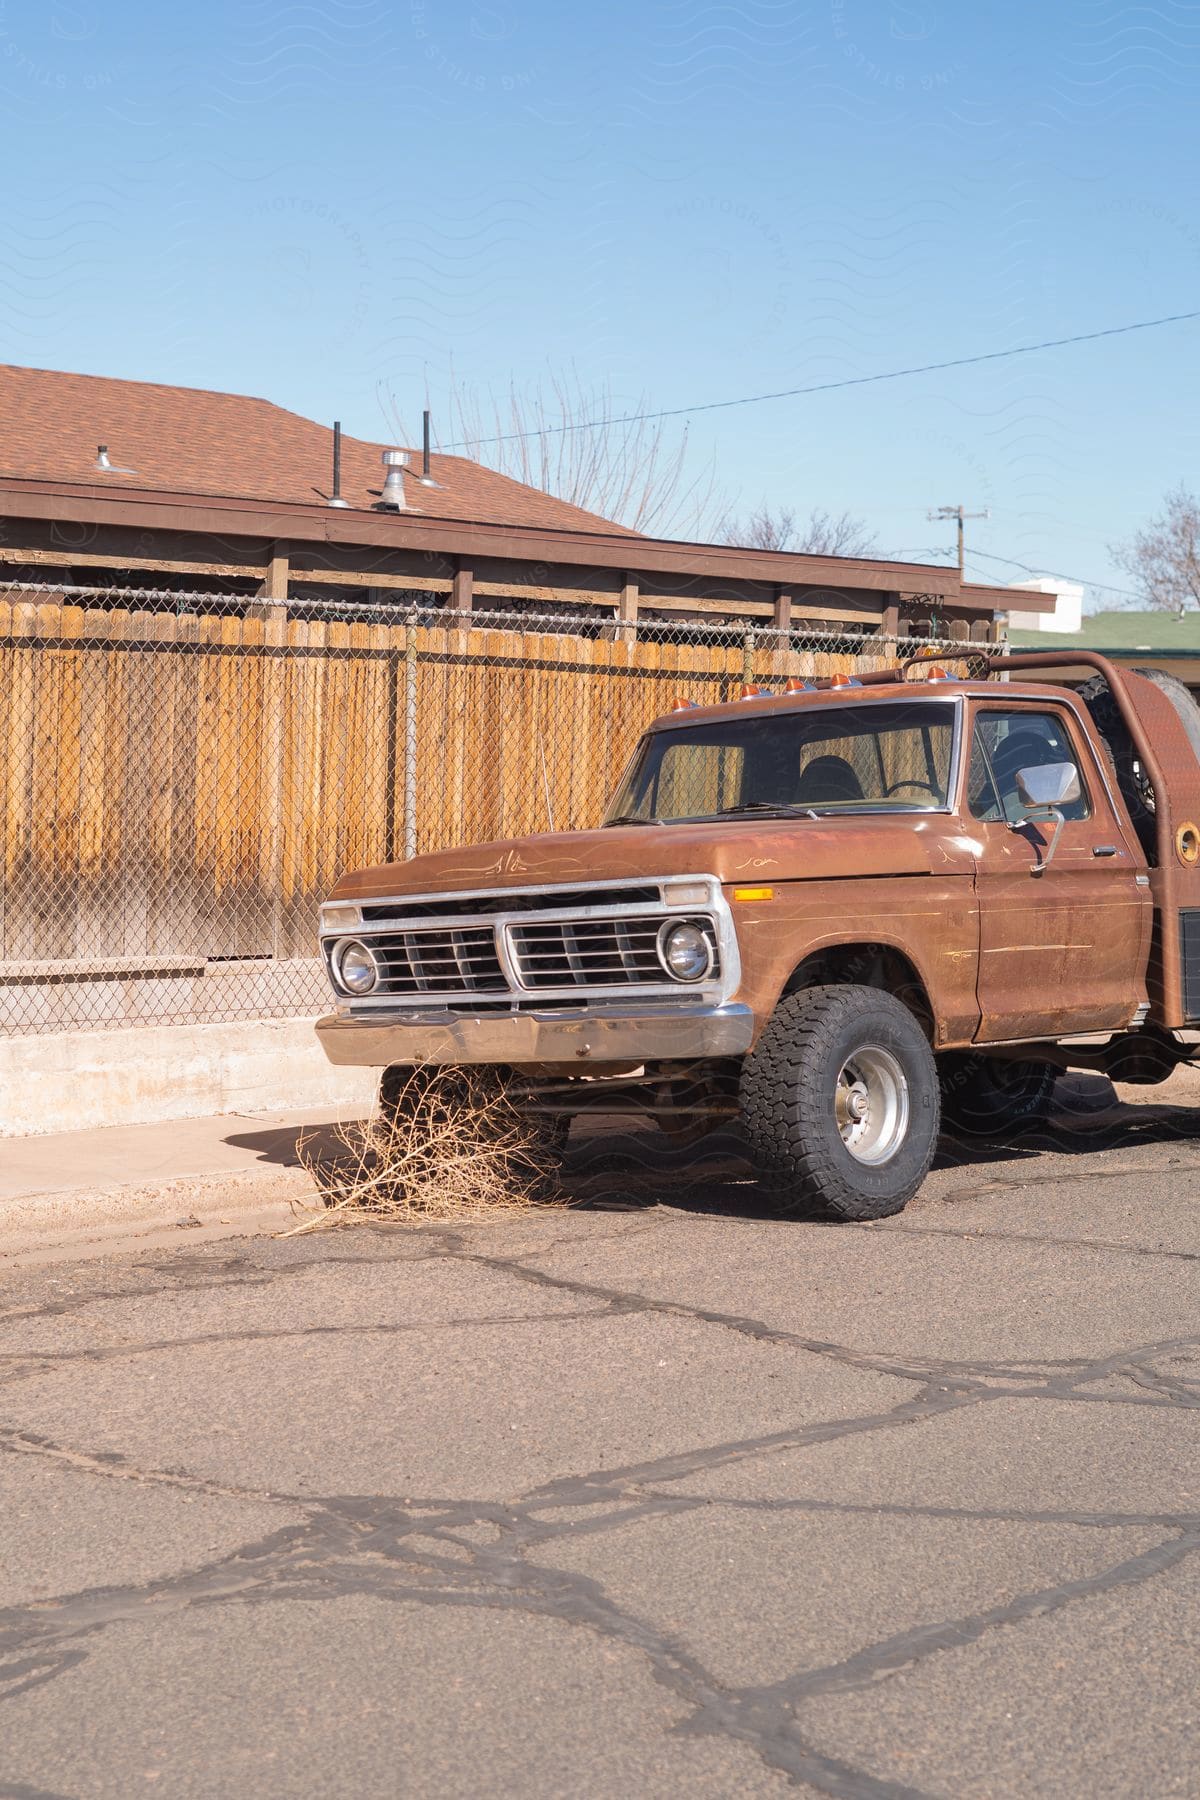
(1007, 742)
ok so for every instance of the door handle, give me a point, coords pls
(1104, 849)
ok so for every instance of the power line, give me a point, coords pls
(826, 387)
(935, 550)
(1057, 574)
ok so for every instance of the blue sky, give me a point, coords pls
(337, 204)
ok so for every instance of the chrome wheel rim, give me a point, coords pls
(871, 1104)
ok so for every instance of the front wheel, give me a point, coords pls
(840, 1103)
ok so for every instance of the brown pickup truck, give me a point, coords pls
(851, 915)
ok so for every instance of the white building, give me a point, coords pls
(1068, 606)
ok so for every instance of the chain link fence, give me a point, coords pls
(183, 777)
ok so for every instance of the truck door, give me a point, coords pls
(1064, 944)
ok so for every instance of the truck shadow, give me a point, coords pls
(627, 1170)
(612, 1166)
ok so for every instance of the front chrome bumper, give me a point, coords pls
(586, 1035)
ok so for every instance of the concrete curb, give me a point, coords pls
(82, 1222)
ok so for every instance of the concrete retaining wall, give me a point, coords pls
(71, 1081)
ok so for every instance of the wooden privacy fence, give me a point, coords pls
(179, 789)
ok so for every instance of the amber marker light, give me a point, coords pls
(682, 705)
(796, 686)
(754, 893)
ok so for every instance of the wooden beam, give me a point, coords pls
(160, 565)
(783, 608)
(891, 616)
(578, 599)
(370, 578)
(462, 588)
(90, 503)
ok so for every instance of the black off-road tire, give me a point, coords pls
(989, 1098)
(1137, 790)
(788, 1103)
(1182, 699)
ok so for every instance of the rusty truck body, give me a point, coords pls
(851, 915)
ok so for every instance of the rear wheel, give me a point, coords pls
(840, 1103)
(988, 1097)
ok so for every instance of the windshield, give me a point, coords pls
(891, 756)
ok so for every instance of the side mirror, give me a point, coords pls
(1043, 792)
(1048, 787)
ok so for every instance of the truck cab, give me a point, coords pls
(847, 914)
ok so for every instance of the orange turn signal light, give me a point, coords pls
(754, 893)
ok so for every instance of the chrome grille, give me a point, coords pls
(443, 961)
(587, 953)
(532, 947)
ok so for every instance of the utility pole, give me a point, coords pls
(956, 512)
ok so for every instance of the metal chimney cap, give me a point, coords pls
(103, 463)
(395, 459)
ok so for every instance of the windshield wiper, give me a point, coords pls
(782, 809)
(628, 819)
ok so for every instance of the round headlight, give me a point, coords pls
(685, 952)
(357, 969)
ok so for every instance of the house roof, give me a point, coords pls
(1121, 633)
(235, 446)
(196, 461)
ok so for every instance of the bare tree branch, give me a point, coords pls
(1164, 559)
(823, 534)
(636, 474)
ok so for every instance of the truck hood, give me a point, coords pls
(735, 850)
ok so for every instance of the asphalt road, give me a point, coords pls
(658, 1496)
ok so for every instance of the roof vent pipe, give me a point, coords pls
(335, 499)
(426, 476)
(107, 467)
(393, 497)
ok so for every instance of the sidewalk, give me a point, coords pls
(79, 1191)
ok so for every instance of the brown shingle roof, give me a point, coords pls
(195, 441)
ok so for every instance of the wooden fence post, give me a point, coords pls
(462, 588)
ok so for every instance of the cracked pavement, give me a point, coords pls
(664, 1494)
